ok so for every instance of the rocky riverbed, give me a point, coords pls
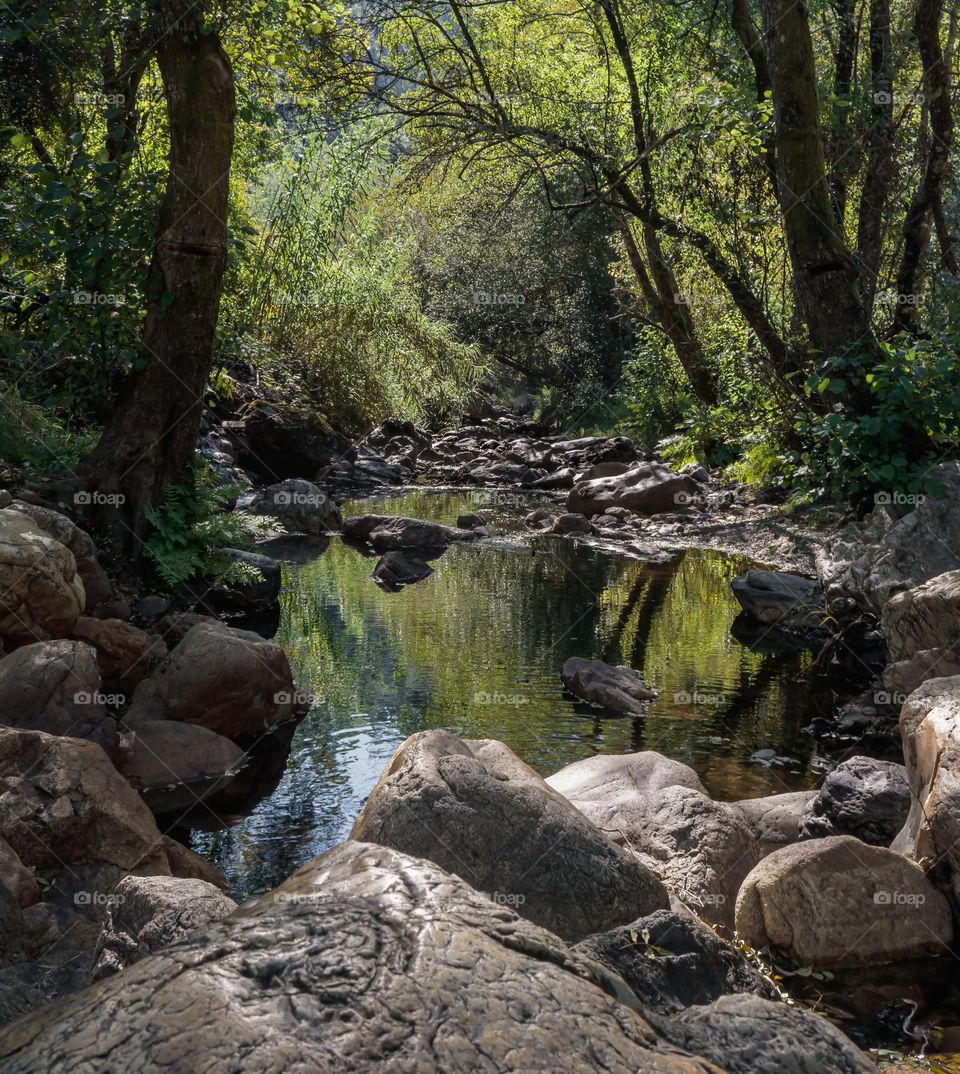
(616, 915)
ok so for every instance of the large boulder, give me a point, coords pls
(299, 505)
(746, 1034)
(41, 594)
(149, 912)
(672, 961)
(898, 546)
(657, 808)
(96, 584)
(617, 689)
(230, 681)
(839, 903)
(778, 597)
(124, 652)
(930, 730)
(863, 797)
(365, 961)
(922, 629)
(54, 686)
(65, 809)
(776, 819)
(477, 810)
(386, 533)
(649, 488)
(175, 765)
(277, 442)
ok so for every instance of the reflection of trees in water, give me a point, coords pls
(499, 620)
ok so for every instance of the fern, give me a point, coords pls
(191, 526)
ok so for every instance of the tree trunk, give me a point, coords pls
(878, 174)
(149, 442)
(916, 228)
(825, 276)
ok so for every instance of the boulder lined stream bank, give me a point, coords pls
(669, 760)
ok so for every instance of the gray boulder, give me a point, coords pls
(365, 961)
(648, 488)
(386, 533)
(778, 597)
(863, 797)
(673, 961)
(149, 912)
(299, 505)
(477, 810)
(776, 819)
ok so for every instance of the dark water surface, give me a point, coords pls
(476, 648)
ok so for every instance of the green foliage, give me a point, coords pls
(40, 438)
(854, 454)
(191, 526)
(325, 306)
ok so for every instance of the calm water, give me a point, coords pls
(476, 648)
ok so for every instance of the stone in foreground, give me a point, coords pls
(365, 961)
(150, 912)
(618, 689)
(838, 903)
(474, 808)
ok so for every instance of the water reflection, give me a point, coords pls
(476, 648)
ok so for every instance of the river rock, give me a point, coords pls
(775, 820)
(571, 523)
(747, 1034)
(54, 686)
(922, 629)
(150, 912)
(96, 585)
(41, 594)
(64, 808)
(276, 442)
(230, 681)
(176, 765)
(299, 505)
(474, 808)
(365, 961)
(659, 809)
(646, 489)
(124, 652)
(672, 961)
(257, 592)
(838, 903)
(386, 533)
(618, 689)
(930, 730)
(775, 596)
(863, 797)
(16, 877)
(897, 547)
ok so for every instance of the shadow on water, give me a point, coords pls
(476, 648)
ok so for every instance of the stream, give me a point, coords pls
(476, 648)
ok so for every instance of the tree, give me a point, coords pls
(150, 439)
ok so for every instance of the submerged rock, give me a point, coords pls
(365, 961)
(840, 903)
(619, 689)
(387, 533)
(394, 570)
(474, 808)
